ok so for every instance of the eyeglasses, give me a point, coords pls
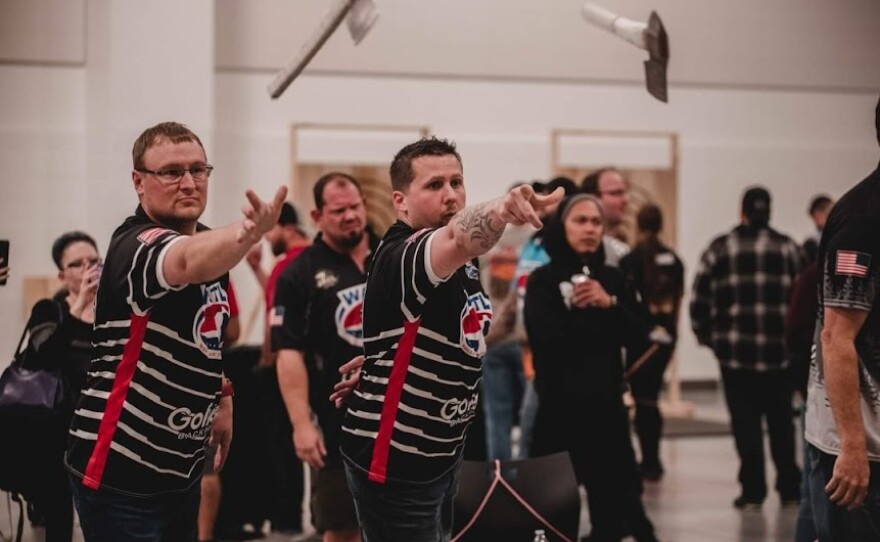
(173, 175)
(88, 262)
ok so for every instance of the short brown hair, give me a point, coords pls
(590, 184)
(321, 184)
(401, 166)
(172, 131)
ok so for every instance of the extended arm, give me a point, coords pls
(476, 229)
(207, 255)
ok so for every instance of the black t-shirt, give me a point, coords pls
(153, 387)
(849, 278)
(659, 279)
(424, 337)
(318, 311)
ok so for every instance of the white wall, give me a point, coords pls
(796, 144)
(783, 43)
(768, 113)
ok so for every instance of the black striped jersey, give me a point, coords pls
(318, 311)
(423, 344)
(153, 388)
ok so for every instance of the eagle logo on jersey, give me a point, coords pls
(350, 314)
(475, 319)
(471, 271)
(211, 320)
(325, 279)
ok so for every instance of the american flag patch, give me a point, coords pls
(147, 237)
(276, 317)
(852, 263)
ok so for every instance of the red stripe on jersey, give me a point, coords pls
(382, 447)
(113, 411)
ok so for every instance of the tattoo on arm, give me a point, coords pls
(480, 227)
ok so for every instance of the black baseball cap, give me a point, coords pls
(288, 216)
(756, 205)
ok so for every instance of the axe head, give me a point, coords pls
(657, 44)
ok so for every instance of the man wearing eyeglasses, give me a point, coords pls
(155, 391)
(609, 186)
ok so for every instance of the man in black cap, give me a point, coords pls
(740, 297)
(843, 395)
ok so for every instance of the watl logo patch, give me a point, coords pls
(211, 320)
(471, 271)
(350, 314)
(475, 319)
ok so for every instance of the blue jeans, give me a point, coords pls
(836, 524)
(805, 528)
(107, 516)
(403, 511)
(527, 414)
(502, 384)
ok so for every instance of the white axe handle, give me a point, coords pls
(296, 65)
(629, 30)
(599, 16)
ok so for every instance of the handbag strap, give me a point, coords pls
(17, 357)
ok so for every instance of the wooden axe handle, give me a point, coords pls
(641, 361)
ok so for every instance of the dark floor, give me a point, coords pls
(691, 504)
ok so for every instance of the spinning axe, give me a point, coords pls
(650, 36)
(362, 14)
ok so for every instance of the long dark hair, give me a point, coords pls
(658, 287)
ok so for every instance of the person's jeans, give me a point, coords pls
(527, 414)
(502, 384)
(752, 396)
(403, 511)
(107, 516)
(836, 524)
(646, 384)
(805, 529)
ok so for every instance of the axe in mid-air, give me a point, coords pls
(362, 14)
(650, 36)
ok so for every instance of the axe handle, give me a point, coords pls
(629, 30)
(599, 16)
(641, 361)
(296, 64)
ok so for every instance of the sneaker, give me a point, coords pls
(746, 504)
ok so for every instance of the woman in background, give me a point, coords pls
(579, 314)
(657, 273)
(60, 336)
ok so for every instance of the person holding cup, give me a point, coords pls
(579, 315)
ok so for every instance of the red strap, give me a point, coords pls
(499, 479)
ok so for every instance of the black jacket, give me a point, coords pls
(577, 352)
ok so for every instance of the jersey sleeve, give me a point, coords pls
(417, 276)
(138, 263)
(851, 274)
(289, 315)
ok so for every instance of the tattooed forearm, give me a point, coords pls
(480, 226)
